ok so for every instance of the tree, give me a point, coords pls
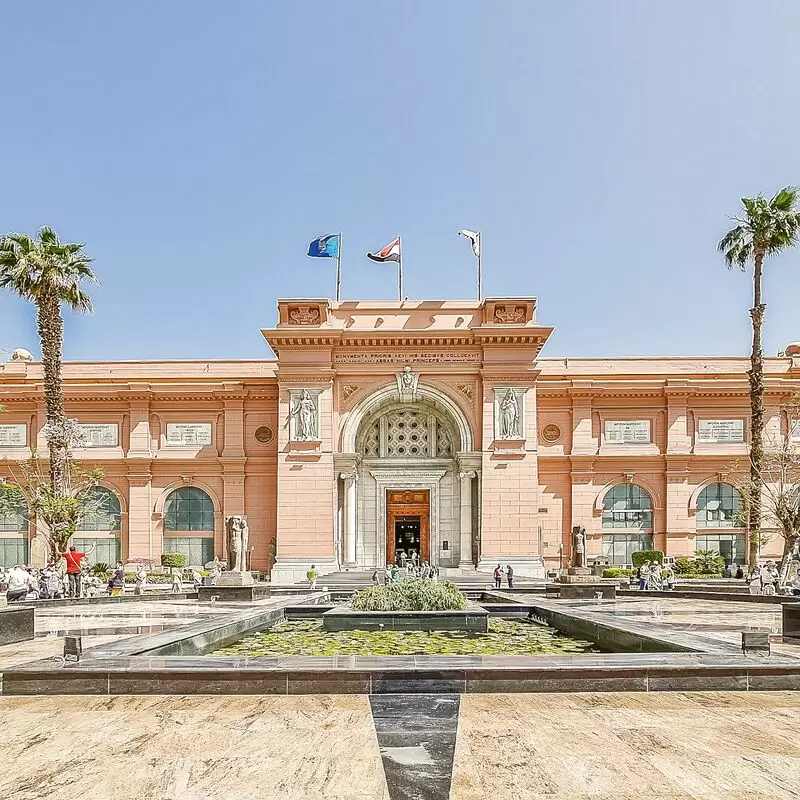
(49, 273)
(779, 485)
(765, 228)
(32, 489)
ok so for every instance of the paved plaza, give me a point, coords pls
(720, 746)
(670, 745)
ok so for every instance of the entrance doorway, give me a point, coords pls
(408, 524)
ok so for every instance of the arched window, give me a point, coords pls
(102, 512)
(13, 512)
(407, 433)
(719, 506)
(189, 509)
(627, 506)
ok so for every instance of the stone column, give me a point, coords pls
(350, 483)
(465, 558)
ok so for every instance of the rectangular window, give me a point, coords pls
(13, 435)
(627, 431)
(188, 434)
(731, 546)
(98, 435)
(106, 551)
(720, 430)
(199, 550)
(618, 548)
(13, 551)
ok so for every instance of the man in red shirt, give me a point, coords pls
(73, 559)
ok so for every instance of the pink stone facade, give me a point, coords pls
(363, 398)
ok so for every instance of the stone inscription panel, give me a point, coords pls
(406, 357)
(720, 430)
(188, 434)
(13, 435)
(98, 435)
(627, 431)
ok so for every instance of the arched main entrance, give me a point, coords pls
(403, 493)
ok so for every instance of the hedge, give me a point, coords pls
(410, 594)
(174, 560)
(640, 556)
(617, 572)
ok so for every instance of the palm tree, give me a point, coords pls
(765, 228)
(48, 273)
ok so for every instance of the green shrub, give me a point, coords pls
(179, 560)
(100, 569)
(640, 556)
(410, 594)
(617, 572)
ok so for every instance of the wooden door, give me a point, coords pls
(409, 503)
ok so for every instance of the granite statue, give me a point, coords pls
(578, 546)
(238, 535)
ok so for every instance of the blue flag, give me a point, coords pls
(325, 246)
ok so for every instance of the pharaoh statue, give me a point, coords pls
(509, 416)
(578, 546)
(305, 414)
(238, 535)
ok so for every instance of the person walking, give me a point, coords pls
(141, 580)
(312, 577)
(177, 580)
(498, 577)
(375, 578)
(73, 559)
(116, 584)
(644, 575)
(510, 576)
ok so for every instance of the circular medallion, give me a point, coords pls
(264, 434)
(551, 433)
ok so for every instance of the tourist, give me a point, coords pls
(510, 576)
(32, 585)
(403, 559)
(312, 577)
(395, 573)
(141, 580)
(214, 571)
(796, 584)
(754, 582)
(73, 559)
(197, 578)
(739, 571)
(435, 574)
(375, 578)
(116, 583)
(668, 577)
(17, 583)
(769, 578)
(727, 572)
(177, 580)
(654, 579)
(426, 570)
(51, 582)
(644, 575)
(498, 577)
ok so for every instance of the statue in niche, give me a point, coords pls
(578, 546)
(305, 414)
(509, 416)
(238, 539)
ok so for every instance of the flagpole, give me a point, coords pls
(400, 269)
(480, 267)
(339, 267)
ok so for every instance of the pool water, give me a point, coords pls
(505, 638)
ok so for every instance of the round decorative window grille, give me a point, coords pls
(551, 433)
(264, 434)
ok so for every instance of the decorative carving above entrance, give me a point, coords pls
(303, 315)
(407, 381)
(467, 390)
(348, 391)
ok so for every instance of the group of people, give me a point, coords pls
(654, 577)
(498, 576)
(410, 568)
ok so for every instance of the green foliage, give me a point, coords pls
(100, 569)
(618, 572)
(640, 556)
(179, 560)
(706, 564)
(410, 594)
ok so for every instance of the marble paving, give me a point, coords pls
(665, 746)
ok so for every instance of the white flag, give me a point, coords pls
(475, 240)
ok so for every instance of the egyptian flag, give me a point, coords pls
(389, 253)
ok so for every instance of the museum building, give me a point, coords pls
(382, 428)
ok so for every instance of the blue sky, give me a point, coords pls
(196, 147)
